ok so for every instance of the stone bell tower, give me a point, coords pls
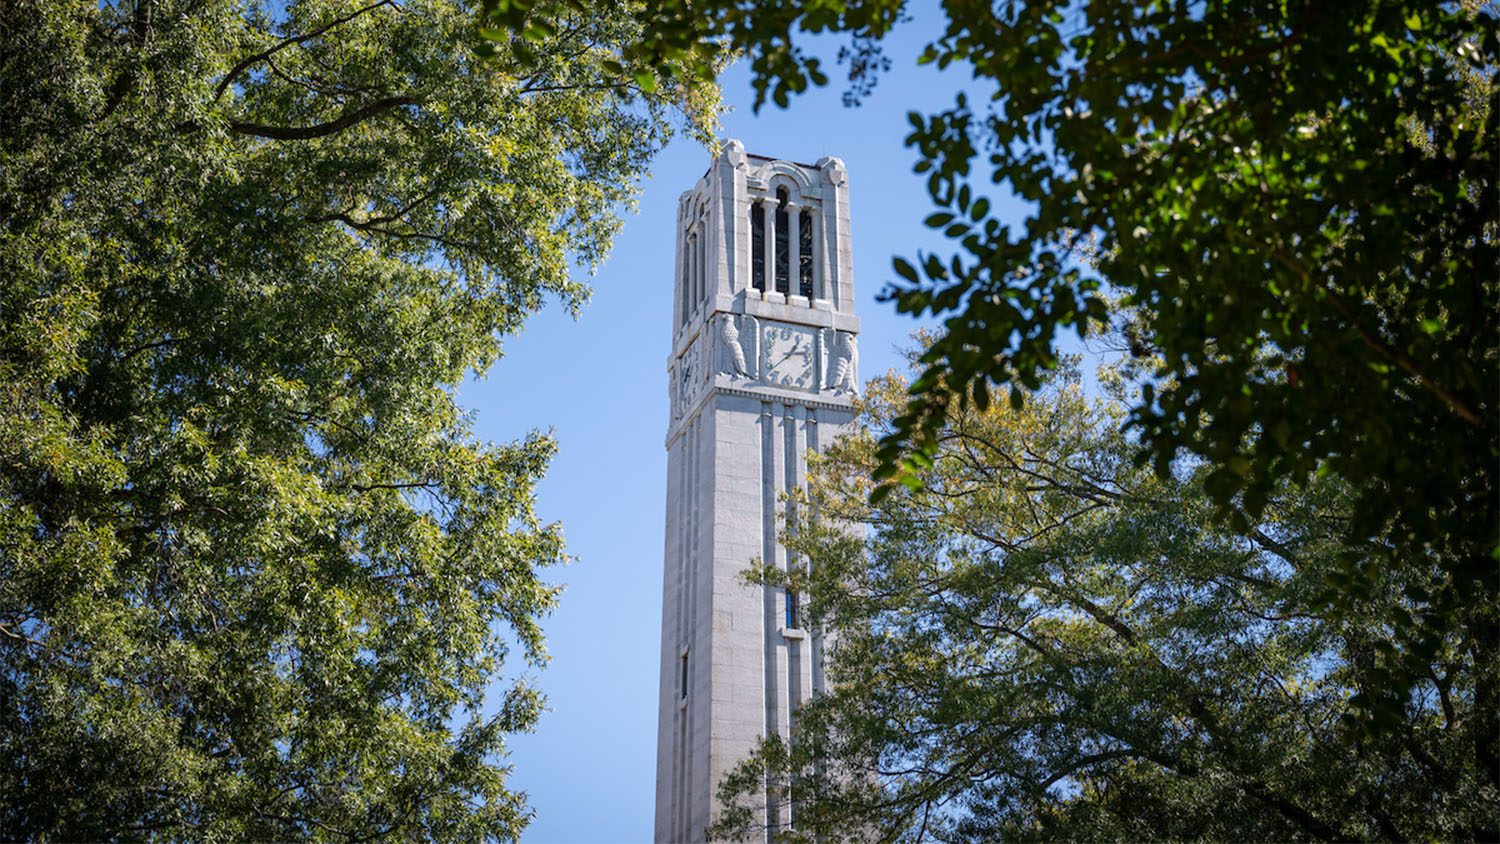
(763, 369)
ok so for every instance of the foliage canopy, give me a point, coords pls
(255, 571)
(1046, 640)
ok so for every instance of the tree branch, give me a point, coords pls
(1310, 823)
(1105, 618)
(370, 226)
(6, 629)
(1279, 549)
(1379, 346)
(140, 30)
(412, 485)
(1467, 413)
(302, 133)
(371, 223)
(261, 56)
(1087, 762)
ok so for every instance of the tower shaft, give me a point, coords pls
(762, 370)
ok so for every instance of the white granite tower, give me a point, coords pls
(763, 369)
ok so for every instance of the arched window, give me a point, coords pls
(783, 251)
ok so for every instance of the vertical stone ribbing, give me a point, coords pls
(815, 639)
(691, 565)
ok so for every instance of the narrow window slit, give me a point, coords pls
(782, 246)
(697, 272)
(687, 264)
(758, 246)
(703, 266)
(805, 254)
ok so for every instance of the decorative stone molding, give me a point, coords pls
(734, 154)
(732, 349)
(833, 170)
(798, 177)
(843, 369)
(785, 397)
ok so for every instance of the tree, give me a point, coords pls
(255, 570)
(1299, 201)
(1045, 640)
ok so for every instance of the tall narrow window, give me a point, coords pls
(758, 245)
(684, 675)
(693, 272)
(804, 254)
(782, 247)
(687, 264)
(702, 268)
(792, 607)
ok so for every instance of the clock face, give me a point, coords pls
(787, 356)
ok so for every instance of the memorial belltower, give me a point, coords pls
(762, 370)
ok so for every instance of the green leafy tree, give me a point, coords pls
(1300, 201)
(1045, 640)
(256, 572)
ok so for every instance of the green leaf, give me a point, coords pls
(262, 577)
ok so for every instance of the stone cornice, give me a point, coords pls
(723, 386)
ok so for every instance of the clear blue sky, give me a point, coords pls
(601, 384)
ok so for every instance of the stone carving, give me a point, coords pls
(833, 170)
(734, 153)
(843, 369)
(732, 362)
